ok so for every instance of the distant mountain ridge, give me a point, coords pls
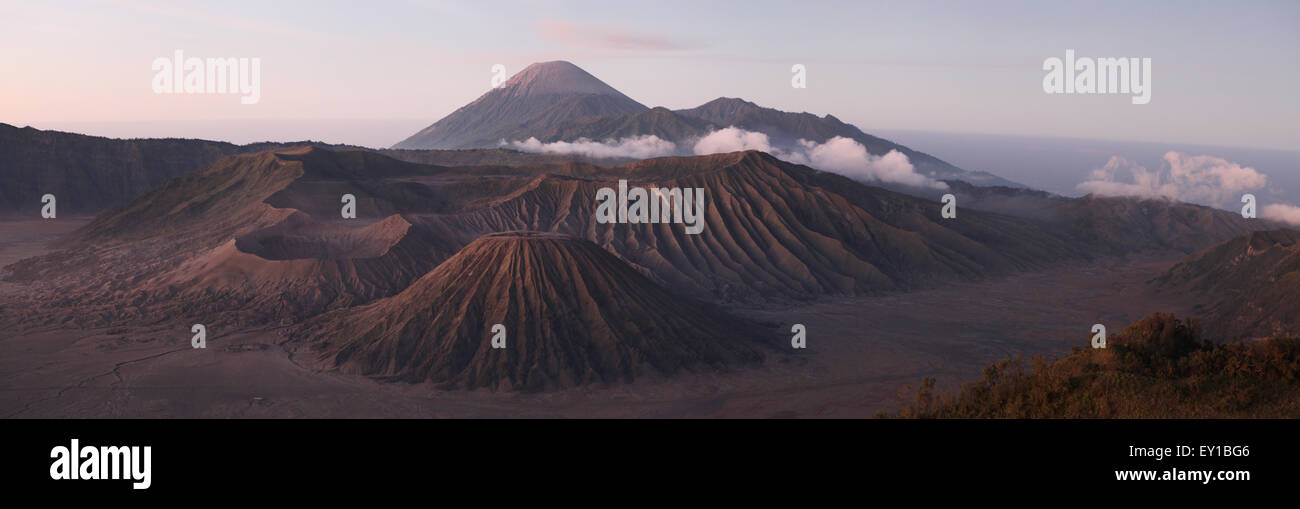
(786, 129)
(558, 101)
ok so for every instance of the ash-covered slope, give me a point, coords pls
(1247, 287)
(573, 314)
(259, 238)
(658, 121)
(775, 231)
(538, 98)
(214, 243)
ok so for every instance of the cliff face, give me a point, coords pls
(88, 173)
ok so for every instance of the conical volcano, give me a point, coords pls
(572, 313)
(537, 99)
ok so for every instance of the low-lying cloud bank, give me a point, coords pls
(850, 158)
(732, 139)
(1203, 180)
(1282, 213)
(839, 154)
(636, 147)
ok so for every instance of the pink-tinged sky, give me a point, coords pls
(371, 73)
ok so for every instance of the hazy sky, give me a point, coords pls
(1224, 73)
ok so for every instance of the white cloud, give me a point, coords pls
(838, 155)
(636, 147)
(851, 159)
(732, 139)
(1204, 180)
(1280, 212)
